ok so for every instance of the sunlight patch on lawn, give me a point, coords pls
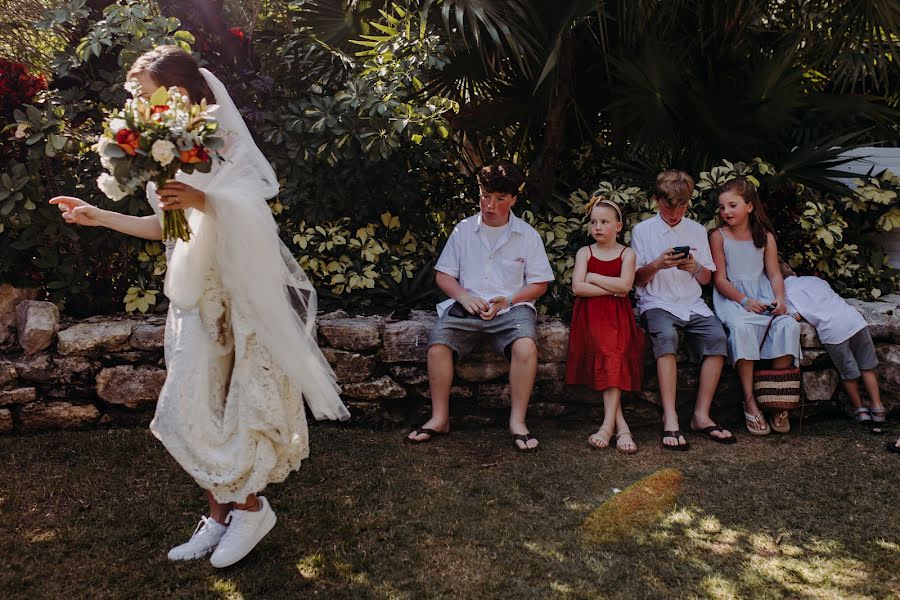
(892, 546)
(37, 536)
(226, 589)
(719, 588)
(544, 551)
(311, 567)
(636, 508)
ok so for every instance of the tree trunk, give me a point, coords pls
(543, 171)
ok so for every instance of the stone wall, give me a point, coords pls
(59, 373)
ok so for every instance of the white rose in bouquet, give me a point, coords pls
(109, 186)
(115, 125)
(163, 152)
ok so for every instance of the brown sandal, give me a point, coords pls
(597, 435)
(619, 448)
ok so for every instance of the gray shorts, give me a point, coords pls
(853, 355)
(462, 334)
(705, 336)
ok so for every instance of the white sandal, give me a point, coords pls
(862, 415)
(757, 419)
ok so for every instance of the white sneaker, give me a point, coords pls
(202, 543)
(245, 529)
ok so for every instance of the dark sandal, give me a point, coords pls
(708, 432)
(523, 437)
(675, 434)
(429, 432)
(892, 447)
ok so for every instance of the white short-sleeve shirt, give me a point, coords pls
(672, 290)
(489, 269)
(835, 320)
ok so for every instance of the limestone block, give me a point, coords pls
(110, 336)
(883, 317)
(810, 356)
(383, 387)
(18, 396)
(479, 371)
(57, 415)
(132, 387)
(494, 395)
(349, 367)
(148, 337)
(10, 298)
(409, 374)
(350, 334)
(808, 336)
(406, 341)
(553, 341)
(74, 369)
(37, 368)
(37, 323)
(7, 372)
(551, 372)
(819, 386)
(888, 373)
(6, 420)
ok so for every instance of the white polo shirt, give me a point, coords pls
(835, 320)
(489, 269)
(672, 290)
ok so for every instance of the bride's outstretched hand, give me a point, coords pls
(76, 210)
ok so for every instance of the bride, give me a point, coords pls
(240, 350)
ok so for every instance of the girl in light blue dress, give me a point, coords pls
(749, 291)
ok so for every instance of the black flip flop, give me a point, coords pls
(708, 432)
(675, 434)
(420, 430)
(892, 447)
(523, 437)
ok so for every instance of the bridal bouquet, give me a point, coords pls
(150, 140)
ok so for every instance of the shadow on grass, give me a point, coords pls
(92, 514)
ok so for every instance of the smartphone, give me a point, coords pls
(684, 251)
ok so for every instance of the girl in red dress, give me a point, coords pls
(606, 347)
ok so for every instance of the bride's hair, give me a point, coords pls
(170, 66)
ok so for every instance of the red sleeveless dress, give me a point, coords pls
(606, 346)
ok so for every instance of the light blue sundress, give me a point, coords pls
(746, 271)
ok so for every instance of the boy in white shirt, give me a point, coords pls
(668, 289)
(493, 268)
(844, 334)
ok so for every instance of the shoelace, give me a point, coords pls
(204, 522)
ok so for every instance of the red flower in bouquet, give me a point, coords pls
(128, 141)
(197, 154)
(159, 109)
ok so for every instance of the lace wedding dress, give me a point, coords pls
(240, 350)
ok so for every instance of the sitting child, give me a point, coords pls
(844, 334)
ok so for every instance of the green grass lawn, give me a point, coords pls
(811, 515)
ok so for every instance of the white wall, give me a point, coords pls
(878, 159)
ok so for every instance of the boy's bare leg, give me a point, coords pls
(440, 378)
(522, 371)
(667, 373)
(710, 372)
(870, 381)
(851, 386)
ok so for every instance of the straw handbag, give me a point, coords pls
(776, 389)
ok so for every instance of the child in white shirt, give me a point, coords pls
(844, 334)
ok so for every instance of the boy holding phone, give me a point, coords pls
(674, 261)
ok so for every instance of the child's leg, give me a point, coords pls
(252, 504)
(745, 374)
(440, 378)
(624, 440)
(851, 386)
(522, 371)
(783, 362)
(870, 381)
(611, 410)
(710, 372)
(667, 372)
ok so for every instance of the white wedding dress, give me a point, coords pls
(240, 350)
